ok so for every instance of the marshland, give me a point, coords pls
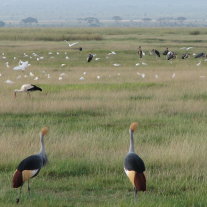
(89, 110)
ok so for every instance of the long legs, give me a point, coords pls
(20, 191)
(135, 194)
(28, 93)
(28, 187)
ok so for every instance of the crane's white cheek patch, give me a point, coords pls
(27, 174)
(131, 175)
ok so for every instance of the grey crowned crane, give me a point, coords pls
(134, 166)
(27, 88)
(30, 166)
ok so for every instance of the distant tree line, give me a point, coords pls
(117, 21)
(91, 21)
(116, 18)
(2, 24)
(29, 20)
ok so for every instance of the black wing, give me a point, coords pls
(34, 88)
(32, 162)
(200, 55)
(165, 52)
(134, 162)
(90, 57)
(157, 53)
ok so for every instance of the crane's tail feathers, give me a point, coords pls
(133, 126)
(140, 182)
(44, 131)
(17, 179)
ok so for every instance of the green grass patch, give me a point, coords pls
(198, 97)
(89, 120)
(101, 86)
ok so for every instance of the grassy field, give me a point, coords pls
(88, 119)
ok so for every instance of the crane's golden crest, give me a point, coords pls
(133, 126)
(44, 130)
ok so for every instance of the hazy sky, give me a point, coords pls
(103, 9)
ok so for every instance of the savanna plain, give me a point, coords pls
(88, 108)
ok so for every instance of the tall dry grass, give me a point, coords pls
(88, 122)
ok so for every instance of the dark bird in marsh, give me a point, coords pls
(202, 54)
(156, 52)
(140, 52)
(78, 48)
(166, 51)
(27, 88)
(30, 166)
(134, 166)
(90, 57)
(185, 55)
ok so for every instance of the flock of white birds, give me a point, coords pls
(24, 65)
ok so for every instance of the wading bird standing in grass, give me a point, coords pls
(90, 57)
(140, 52)
(134, 166)
(156, 52)
(170, 55)
(27, 88)
(185, 56)
(30, 166)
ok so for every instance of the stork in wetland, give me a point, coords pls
(27, 88)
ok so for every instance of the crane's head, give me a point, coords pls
(44, 131)
(133, 126)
